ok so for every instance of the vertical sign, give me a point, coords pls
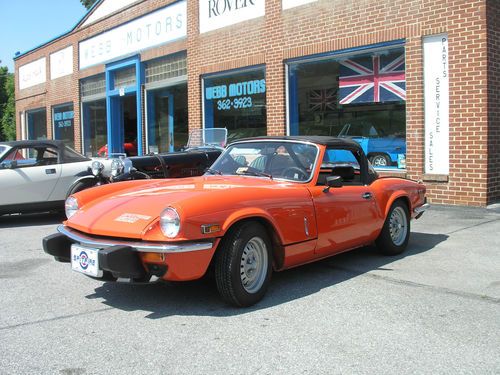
(436, 104)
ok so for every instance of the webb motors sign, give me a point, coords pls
(215, 14)
(159, 27)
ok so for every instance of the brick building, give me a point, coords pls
(416, 82)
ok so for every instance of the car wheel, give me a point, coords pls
(380, 160)
(81, 185)
(396, 230)
(243, 264)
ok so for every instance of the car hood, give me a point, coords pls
(131, 212)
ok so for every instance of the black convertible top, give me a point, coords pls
(32, 143)
(67, 154)
(318, 139)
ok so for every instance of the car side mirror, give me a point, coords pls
(333, 182)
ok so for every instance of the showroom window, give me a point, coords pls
(36, 123)
(167, 103)
(95, 131)
(95, 128)
(63, 122)
(237, 101)
(167, 128)
(360, 95)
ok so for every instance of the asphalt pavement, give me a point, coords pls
(434, 309)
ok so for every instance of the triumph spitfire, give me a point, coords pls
(267, 204)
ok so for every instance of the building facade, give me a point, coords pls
(416, 82)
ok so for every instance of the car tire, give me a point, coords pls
(395, 233)
(380, 160)
(81, 185)
(243, 264)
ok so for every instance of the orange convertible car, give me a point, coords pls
(266, 204)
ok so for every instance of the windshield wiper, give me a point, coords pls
(256, 173)
(213, 171)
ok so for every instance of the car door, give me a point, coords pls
(28, 175)
(70, 172)
(346, 216)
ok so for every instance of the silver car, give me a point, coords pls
(39, 175)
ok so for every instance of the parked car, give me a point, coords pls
(267, 204)
(40, 175)
(203, 148)
(382, 150)
(130, 149)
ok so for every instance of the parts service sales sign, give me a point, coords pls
(215, 14)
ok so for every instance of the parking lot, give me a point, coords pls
(435, 309)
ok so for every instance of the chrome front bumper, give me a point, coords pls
(421, 209)
(140, 246)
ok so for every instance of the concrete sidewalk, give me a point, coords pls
(458, 250)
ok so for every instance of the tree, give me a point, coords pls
(88, 3)
(7, 105)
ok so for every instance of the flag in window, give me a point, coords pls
(372, 79)
(322, 100)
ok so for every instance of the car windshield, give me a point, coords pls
(207, 137)
(293, 161)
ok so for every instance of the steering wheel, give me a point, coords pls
(290, 172)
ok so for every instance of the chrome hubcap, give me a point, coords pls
(398, 227)
(379, 161)
(253, 265)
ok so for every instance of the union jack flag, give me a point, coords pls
(371, 79)
(322, 100)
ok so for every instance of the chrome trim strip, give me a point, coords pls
(141, 246)
(422, 208)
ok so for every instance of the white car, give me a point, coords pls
(40, 175)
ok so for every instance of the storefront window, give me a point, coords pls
(63, 122)
(236, 101)
(94, 126)
(362, 97)
(36, 122)
(167, 118)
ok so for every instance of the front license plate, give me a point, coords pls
(85, 260)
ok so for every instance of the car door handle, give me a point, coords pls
(50, 171)
(367, 196)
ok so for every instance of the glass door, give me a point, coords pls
(160, 121)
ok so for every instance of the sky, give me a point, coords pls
(25, 24)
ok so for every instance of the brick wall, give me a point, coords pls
(330, 25)
(493, 21)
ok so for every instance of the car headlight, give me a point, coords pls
(71, 206)
(97, 168)
(117, 167)
(170, 222)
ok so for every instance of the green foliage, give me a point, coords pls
(7, 106)
(88, 3)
